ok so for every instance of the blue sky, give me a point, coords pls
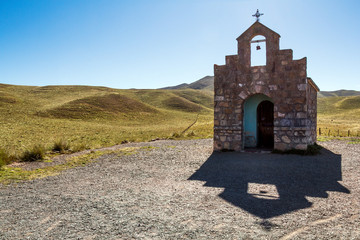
(153, 43)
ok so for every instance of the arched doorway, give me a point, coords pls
(258, 122)
(265, 124)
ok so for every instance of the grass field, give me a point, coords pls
(93, 117)
(339, 116)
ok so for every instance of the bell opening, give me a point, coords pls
(258, 51)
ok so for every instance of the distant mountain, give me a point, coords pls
(338, 93)
(205, 83)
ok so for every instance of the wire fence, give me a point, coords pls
(330, 132)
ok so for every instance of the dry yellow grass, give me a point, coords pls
(95, 117)
(339, 116)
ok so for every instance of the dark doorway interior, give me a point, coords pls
(265, 124)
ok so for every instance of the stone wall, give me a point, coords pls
(283, 80)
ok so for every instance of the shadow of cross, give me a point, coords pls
(269, 185)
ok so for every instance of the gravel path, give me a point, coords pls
(181, 190)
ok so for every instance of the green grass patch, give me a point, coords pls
(323, 139)
(11, 174)
(124, 151)
(354, 141)
(326, 138)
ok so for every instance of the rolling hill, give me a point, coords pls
(104, 106)
(93, 117)
(343, 107)
(205, 83)
(339, 93)
(98, 116)
(339, 115)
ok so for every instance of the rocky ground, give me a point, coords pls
(181, 190)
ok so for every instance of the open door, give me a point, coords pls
(265, 122)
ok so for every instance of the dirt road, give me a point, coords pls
(181, 190)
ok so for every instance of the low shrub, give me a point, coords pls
(79, 147)
(35, 154)
(313, 149)
(176, 135)
(5, 158)
(2, 158)
(61, 146)
(191, 134)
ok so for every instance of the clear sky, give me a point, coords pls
(158, 43)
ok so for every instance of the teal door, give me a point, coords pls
(250, 120)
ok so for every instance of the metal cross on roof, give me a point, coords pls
(257, 15)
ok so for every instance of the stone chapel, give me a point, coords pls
(272, 106)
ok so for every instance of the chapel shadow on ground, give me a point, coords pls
(293, 176)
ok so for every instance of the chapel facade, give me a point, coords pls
(272, 106)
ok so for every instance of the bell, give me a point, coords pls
(258, 47)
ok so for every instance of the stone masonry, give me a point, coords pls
(282, 79)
